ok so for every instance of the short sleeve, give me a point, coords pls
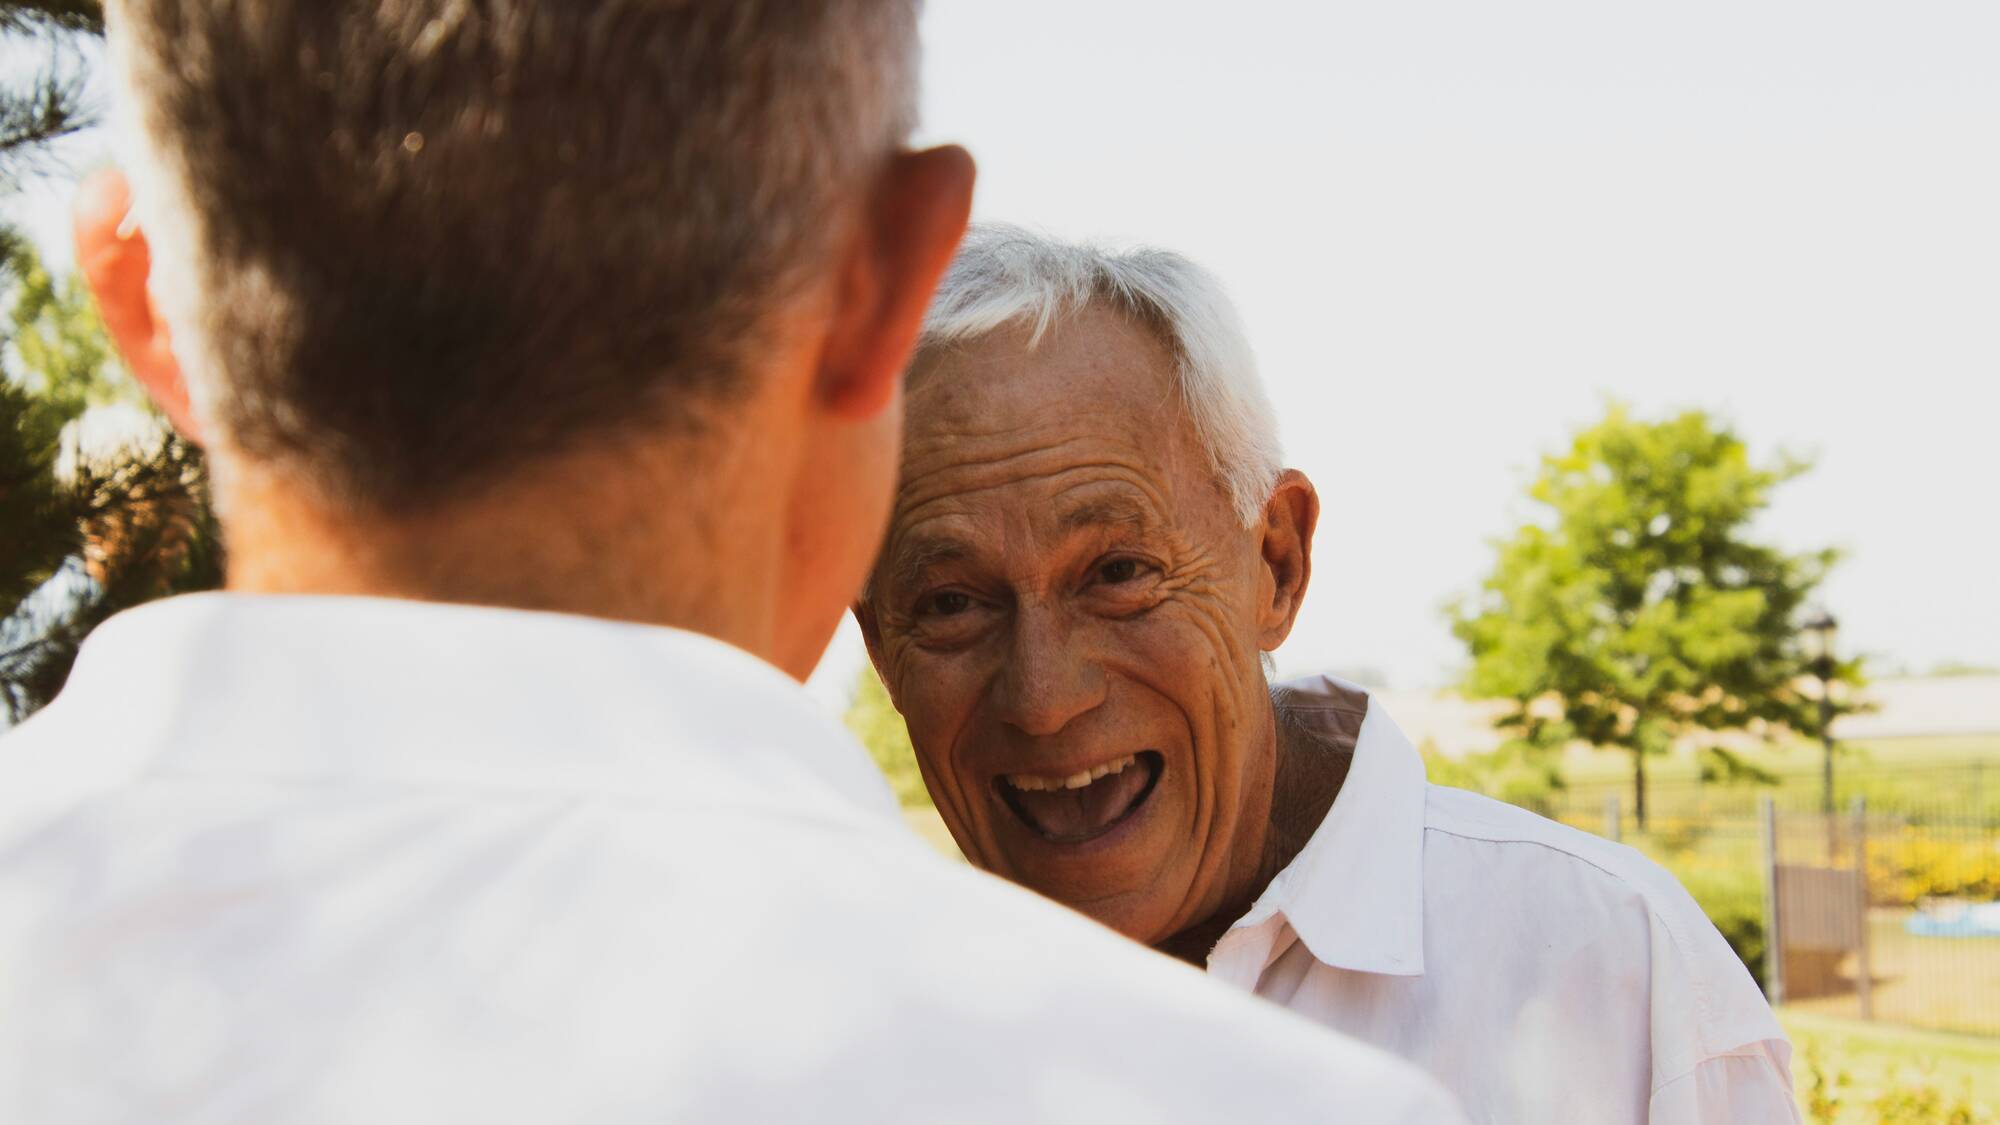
(1750, 1084)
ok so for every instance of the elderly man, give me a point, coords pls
(549, 357)
(1093, 543)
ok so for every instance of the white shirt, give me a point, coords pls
(1541, 973)
(344, 860)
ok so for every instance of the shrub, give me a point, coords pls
(1906, 866)
(873, 719)
(1899, 1101)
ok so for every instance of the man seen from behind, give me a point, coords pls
(548, 358)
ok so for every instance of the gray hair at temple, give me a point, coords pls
(405, 246)
(1009, 275)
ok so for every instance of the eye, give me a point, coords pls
(944, 603)
(947, 620)
(1117, 572)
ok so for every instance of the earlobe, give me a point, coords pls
(117, 262)
(1290, 518)
(919, 211)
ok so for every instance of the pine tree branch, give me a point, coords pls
(147, 532)
(31, 16)
(49, 109)
(38, 109)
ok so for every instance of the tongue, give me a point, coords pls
(1077, 814)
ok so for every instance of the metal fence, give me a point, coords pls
(1889, 909)
(1887, 915)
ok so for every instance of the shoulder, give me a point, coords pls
(1703, 1001)
(982, 994)
(1003, 939)
(772, 962)
(1047, 988)
(58, 760)
(1537, 840)
(880, 969)
(1556, 856)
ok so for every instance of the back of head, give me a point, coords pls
(406, 244)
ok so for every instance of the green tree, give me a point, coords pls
(83, 533)
(1637, 610)
(41, 104)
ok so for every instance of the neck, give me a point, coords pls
(1308, 777)
(658, 535)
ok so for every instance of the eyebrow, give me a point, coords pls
(920, 555)
(916, 556)
(1106, 511)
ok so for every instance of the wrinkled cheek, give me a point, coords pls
(1211, 812)
(1206, 683)
(957, 793)
(955, 804)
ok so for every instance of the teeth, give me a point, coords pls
(1040, 783)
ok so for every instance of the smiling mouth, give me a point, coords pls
(1084, 805)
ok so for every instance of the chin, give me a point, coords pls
(1102, 837)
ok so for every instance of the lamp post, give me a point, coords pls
(1821, 629)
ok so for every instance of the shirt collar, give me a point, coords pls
(340, 688)
(1355, 893)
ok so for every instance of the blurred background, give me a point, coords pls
(1457, 229)
(1658, 306)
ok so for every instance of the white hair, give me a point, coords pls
(1007, 275)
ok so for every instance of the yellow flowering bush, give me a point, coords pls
(1906, 866)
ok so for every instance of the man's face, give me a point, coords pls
(1066, 613)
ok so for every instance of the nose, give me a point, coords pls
(1049, 679)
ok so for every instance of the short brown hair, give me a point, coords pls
(430, 238)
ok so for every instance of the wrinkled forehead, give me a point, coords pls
(1021, 446)
(1096, 383)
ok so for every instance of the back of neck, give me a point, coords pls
(636, 537)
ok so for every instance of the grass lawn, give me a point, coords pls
(1959, 776)
(1862, 1061)
(1797, 758)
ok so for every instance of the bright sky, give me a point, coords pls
(1456, 228)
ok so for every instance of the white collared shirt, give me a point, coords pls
(344, 860)
(1542, 974)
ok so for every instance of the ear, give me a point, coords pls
(114, 257)
(916, 216)
(1289, 519)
